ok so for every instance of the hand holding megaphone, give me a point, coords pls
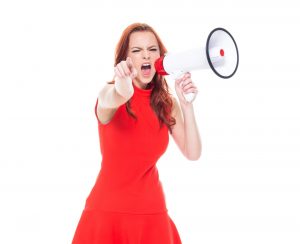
(185, 88)
(178, 76)
(220, 54)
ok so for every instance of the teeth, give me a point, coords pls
(146, 66)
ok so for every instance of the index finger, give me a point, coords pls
(129, 63)
(187, 75)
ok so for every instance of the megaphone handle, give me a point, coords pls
(188, 96)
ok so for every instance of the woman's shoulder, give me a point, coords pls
(175, 105)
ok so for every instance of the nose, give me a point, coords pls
(146, 55)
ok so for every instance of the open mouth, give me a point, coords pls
(146, 69)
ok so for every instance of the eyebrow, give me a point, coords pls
(148, 47)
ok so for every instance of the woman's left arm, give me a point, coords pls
(185, 132)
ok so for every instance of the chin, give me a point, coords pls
(145, 80)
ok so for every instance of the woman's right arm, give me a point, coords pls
(114, 95)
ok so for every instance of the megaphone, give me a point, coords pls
(220, 54)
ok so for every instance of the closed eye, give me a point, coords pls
(152, 50)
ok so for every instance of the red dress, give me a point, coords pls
(127, 203)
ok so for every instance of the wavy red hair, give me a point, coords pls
(160, 100)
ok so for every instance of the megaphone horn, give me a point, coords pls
(220, 54)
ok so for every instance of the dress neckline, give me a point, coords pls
(142, 92)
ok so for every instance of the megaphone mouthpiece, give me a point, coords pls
(159, 67)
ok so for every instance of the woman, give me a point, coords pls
(135, 114)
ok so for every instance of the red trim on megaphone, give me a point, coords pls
(159, 66)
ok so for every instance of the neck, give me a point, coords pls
(143, 86)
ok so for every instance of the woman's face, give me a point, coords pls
(143, 50)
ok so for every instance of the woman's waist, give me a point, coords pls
(127, 199)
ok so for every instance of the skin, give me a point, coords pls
(143, 48)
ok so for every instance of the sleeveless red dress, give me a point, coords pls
(127, 203)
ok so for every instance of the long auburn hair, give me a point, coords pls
(160, 99)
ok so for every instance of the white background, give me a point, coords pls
(56, 55)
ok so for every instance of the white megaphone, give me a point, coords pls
(220, 54)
